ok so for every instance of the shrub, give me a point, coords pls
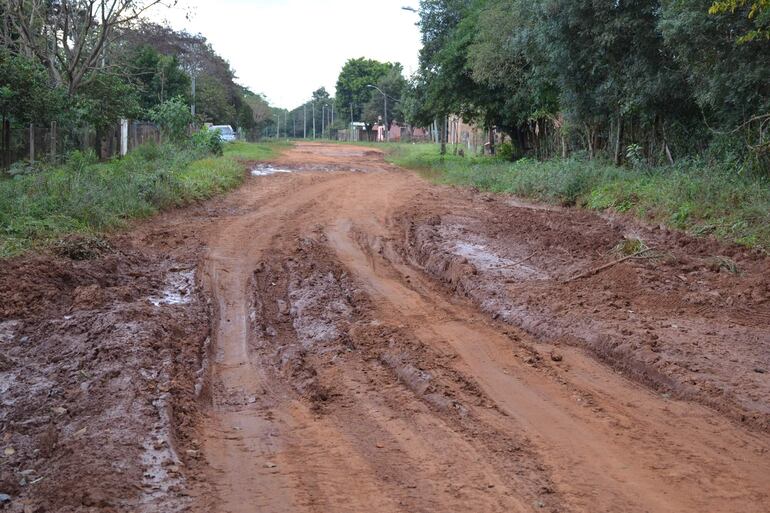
(696, 195)
(208, 142)
(174, 118)
(505, 151)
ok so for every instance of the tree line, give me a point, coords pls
(657, 80)
(88, 63)
(355, 99)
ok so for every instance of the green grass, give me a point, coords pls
(86, 197)
(702, 198)
(251, 151)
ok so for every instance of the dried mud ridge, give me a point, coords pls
(348, 337)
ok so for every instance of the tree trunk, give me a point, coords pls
(5, 143)
(619, 141)
(492, 140)
(590, 141)
(443, 135)
(665, 145)
(521, 139)
(53, 141)
(563, 144)
(31, 143)
(98, 144)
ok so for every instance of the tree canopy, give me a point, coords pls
(598, 75)
(353, 91)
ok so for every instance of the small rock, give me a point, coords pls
(556, 357)
(270, 464)
(760, 371)
(380, 446)
(59, 410)
(9, 451)
(4, 498)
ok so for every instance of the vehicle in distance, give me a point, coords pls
(226, 132)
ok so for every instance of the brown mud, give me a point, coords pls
(349, 337)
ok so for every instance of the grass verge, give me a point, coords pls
(87, 197)
(699, 197)
(251, 151)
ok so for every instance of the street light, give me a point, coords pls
(385, 96)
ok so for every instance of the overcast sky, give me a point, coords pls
(288, 48)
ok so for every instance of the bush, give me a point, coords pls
(505, 151)
(78, 161)
(208, 142)
(174, 118)
(86, 197)
(696, 195)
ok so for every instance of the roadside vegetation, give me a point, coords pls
(695, 195)
(69, 72)
(88, 197)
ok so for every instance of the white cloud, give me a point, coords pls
(288, 48)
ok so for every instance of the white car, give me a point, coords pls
(226, 132)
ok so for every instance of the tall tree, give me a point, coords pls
(159, 77)
(68, 37)
(353, 92)
(758, 11)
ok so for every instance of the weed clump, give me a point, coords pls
(79, 247)
(719, 263)
(630, 246)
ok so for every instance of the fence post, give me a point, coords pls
(31, 143)
(123, 137)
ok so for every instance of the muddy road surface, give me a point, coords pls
(340, 335)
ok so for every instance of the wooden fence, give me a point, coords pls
(51, 143)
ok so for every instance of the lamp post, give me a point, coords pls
(385, 96)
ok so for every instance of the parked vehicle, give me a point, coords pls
(226, 132)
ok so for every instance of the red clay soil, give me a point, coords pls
(348, 337)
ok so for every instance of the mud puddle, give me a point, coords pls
(178, 289)
(267, 170)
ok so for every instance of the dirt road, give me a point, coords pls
(381, 344)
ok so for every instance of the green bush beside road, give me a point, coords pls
(694, 195)
(84, 196)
